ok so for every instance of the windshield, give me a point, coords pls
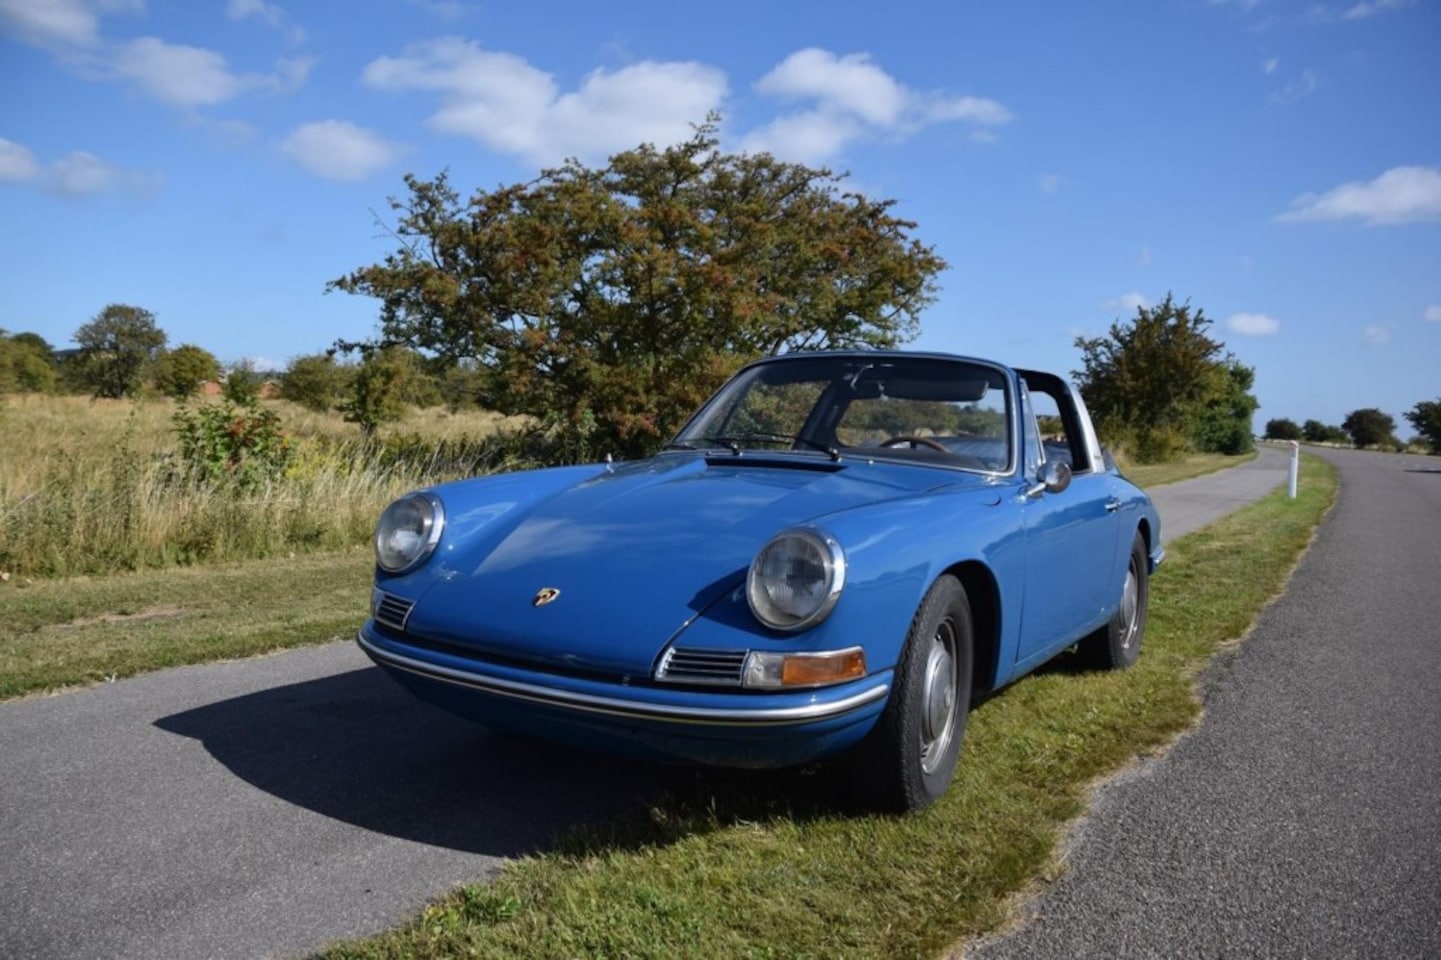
(942, 412)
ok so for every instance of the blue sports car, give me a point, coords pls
(836, 554)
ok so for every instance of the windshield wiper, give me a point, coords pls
(734, 442)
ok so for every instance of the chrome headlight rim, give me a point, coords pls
(833, 561)
(432, 527)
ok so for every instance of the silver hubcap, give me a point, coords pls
(938, 697)
(1130, 607)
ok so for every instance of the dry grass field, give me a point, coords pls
(94, 486)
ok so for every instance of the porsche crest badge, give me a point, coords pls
(546, 595)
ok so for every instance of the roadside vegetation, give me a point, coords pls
(58, 634)
(90, 487)
(770, 866)
(112, 565)
(1149, 475)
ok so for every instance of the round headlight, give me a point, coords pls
(408, 531)
(796, 579)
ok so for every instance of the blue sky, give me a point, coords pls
(1276, 163)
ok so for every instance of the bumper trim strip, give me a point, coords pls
(612, 706)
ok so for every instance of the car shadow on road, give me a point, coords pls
(356, 748)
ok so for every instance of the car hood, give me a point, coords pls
(632, 553)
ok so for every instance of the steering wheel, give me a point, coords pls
(914, 442)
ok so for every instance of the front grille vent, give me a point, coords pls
(719, 668)
(392, 611)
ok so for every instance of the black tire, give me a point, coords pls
(1117, 645)
(907, 762)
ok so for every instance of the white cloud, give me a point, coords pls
(271, 13)
(1298, 87)
(851, 98)
(59, 23)
(1362, 11)
(81, 173)
(186, 76)
(1048, 182)
(810, 136)
(1145, 258)
(1128, 302)
(17, 163)
(507, 105)
(1270, 65)
(850, 84)
(1376, 336)
(977, 110)
(1399, 195)
(339, 150)
(1433, 313)
(77, 174)
(1253, 324)
(52, 23)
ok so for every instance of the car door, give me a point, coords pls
(1070, 543)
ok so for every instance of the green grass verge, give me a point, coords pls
(1157, 474)
(60, 633)
(775, 866)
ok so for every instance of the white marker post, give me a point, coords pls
(1295, 469)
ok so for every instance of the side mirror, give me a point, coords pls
(1054, 477)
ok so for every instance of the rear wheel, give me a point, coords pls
(908, 760)
(1117, 645)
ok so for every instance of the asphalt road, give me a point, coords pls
(1192, 504)
(1302, 818)
(261, 808)
(267, 806)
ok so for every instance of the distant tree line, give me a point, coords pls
(1365, 427)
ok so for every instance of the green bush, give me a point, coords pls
(243, 444)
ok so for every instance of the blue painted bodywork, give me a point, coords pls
(652, 553)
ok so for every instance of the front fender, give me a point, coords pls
(894, 552)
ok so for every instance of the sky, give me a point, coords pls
(1275, 163)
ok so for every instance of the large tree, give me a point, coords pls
(612, 300)
(1368, 426)
(1426, 418)
(180, 372)
(1159, 385)
(116, 346)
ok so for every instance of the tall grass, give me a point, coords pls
(92, 486)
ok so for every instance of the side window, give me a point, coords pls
(1056, 439)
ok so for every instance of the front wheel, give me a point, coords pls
(907, 762)
(1117, 645)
